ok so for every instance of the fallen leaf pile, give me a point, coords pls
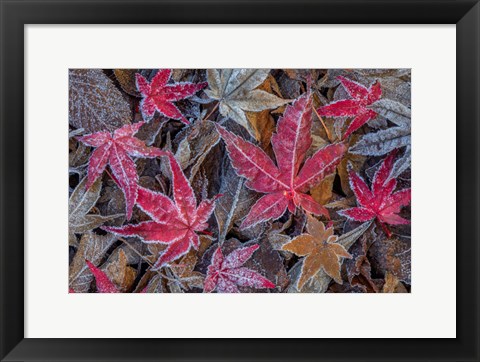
(239, 181)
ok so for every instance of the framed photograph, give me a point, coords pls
(240, 181)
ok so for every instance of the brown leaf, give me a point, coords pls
(93, 248)
(263, 126)
(235, 203)
(320, 249)
(183, 270)
(323, 192)
(262, 122)
(356, 161)
(151, 282)
(126, 79)
(78, 155)
(359, 269)
(119, 272)
(195, 144)
(392, 255)
(277, 237)
(393, 285)
(319, 282)
(80, 203)
(95, 104)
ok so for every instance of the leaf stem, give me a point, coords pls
(145, 259)
(211, 112)
(386, 230)
(329, 135)
(112, 177)
(136, 251)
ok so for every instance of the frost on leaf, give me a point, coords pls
(384, 141)
(127, 79)
(396, 83)
(159, 95)
(80, 203)
(356, 107)
(235, 203)
(320, 250)
(173, 222)
(142, 204)
(183, 276)
(91, 247)
(119, 272)
(319, 282)
(381, 202)
(226, 273)
(104, 285)
(285, 184)
(116, 150)
(235, 89)
(195, 146)
(95, 104)
(392, 255)
(359, 269)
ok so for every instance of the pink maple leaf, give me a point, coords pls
(226, 273)
(104, 285)
(175, 223)
(158, 95)
(286, 183)
(355, 107)
(115, 150)
(380, 202)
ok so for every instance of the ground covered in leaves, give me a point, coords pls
(239, 180)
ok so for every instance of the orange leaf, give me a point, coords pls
(320, 249)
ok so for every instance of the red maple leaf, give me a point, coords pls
(287, 182)
(115, 150)
(356, 107)
(174, 223)
(158, 95)
(104, 285)
(380, 202)
(226, 273)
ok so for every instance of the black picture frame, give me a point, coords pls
(15, 14)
